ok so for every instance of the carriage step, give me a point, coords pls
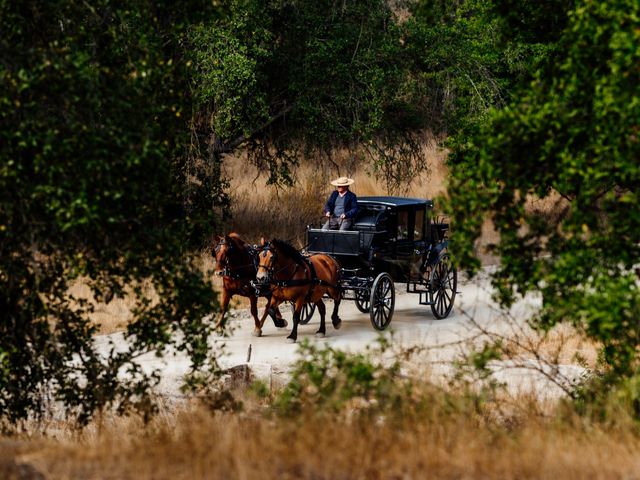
(413, 287)
(423, 298)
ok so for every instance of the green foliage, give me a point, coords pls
(571, 139)
(260, 389)
(371, 387)
(329, 380)
(613, 402)
(286, 78)
(93, 176)
(470, 56)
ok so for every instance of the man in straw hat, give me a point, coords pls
(341, 207)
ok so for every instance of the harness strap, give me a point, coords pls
(305, 281)
(301, 282)
(314, 276)
(233, 274)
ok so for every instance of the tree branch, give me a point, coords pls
(221, 147)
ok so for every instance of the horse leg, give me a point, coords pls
(335, 319)
(293, 336)
(276, 316)
(254, 313)
(224, 304)
(278, 321)
(322, 310)
(258, 330)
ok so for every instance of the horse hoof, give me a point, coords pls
(291, 340)
(281, 323)
(257, 333)
(320, 334)
(337, 324)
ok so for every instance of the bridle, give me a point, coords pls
(270, 267)
(225, 262)
(227, 270)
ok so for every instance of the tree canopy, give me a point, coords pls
(287, 78)
(93, 132)
(570, 139)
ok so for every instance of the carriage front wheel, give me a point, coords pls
(383, 299)
(363, 299)
(443, 282)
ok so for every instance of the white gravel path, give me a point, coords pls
(412, 324)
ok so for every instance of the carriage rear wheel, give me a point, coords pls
(443, 283)
(363, 300)
(306, 313)
(382, 303)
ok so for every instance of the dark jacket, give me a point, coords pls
(350, 204)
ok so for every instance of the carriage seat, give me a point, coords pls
(369, 219)
(333, 242)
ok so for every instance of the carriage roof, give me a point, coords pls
(394, 201)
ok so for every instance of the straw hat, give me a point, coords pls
(342, 182)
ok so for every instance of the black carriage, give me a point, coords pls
(393, 239)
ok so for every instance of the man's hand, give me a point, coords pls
(328, 214)
(342, 217)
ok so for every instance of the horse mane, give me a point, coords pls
(236, 239)
(288, 250)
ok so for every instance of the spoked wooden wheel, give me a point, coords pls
(383, 299)
(443, 283)
(306, 313)
(363, 300)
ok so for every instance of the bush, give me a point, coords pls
(93, 175)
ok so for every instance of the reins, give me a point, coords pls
(294, 282)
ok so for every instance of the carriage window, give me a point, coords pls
(403, 225)
(419, 225)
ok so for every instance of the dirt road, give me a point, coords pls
(270, 356)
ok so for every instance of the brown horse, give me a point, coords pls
(300, 280)
(236, 263)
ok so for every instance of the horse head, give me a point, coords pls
(277, 257)
(223, 247)
(266, 259)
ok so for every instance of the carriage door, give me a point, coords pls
(404, 239)
(419, 242)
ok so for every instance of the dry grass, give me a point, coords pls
(262, 210)
(113, 316)
(561, 345)
(440, 444)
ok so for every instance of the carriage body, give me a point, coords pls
(393, 239)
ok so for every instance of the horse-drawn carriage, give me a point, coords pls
(393, 239)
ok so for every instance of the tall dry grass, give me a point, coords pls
(260, 210)
(445, 441)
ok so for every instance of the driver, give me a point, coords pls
(341, 207)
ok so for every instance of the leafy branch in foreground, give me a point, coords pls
(92, 171)
(571, 142)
